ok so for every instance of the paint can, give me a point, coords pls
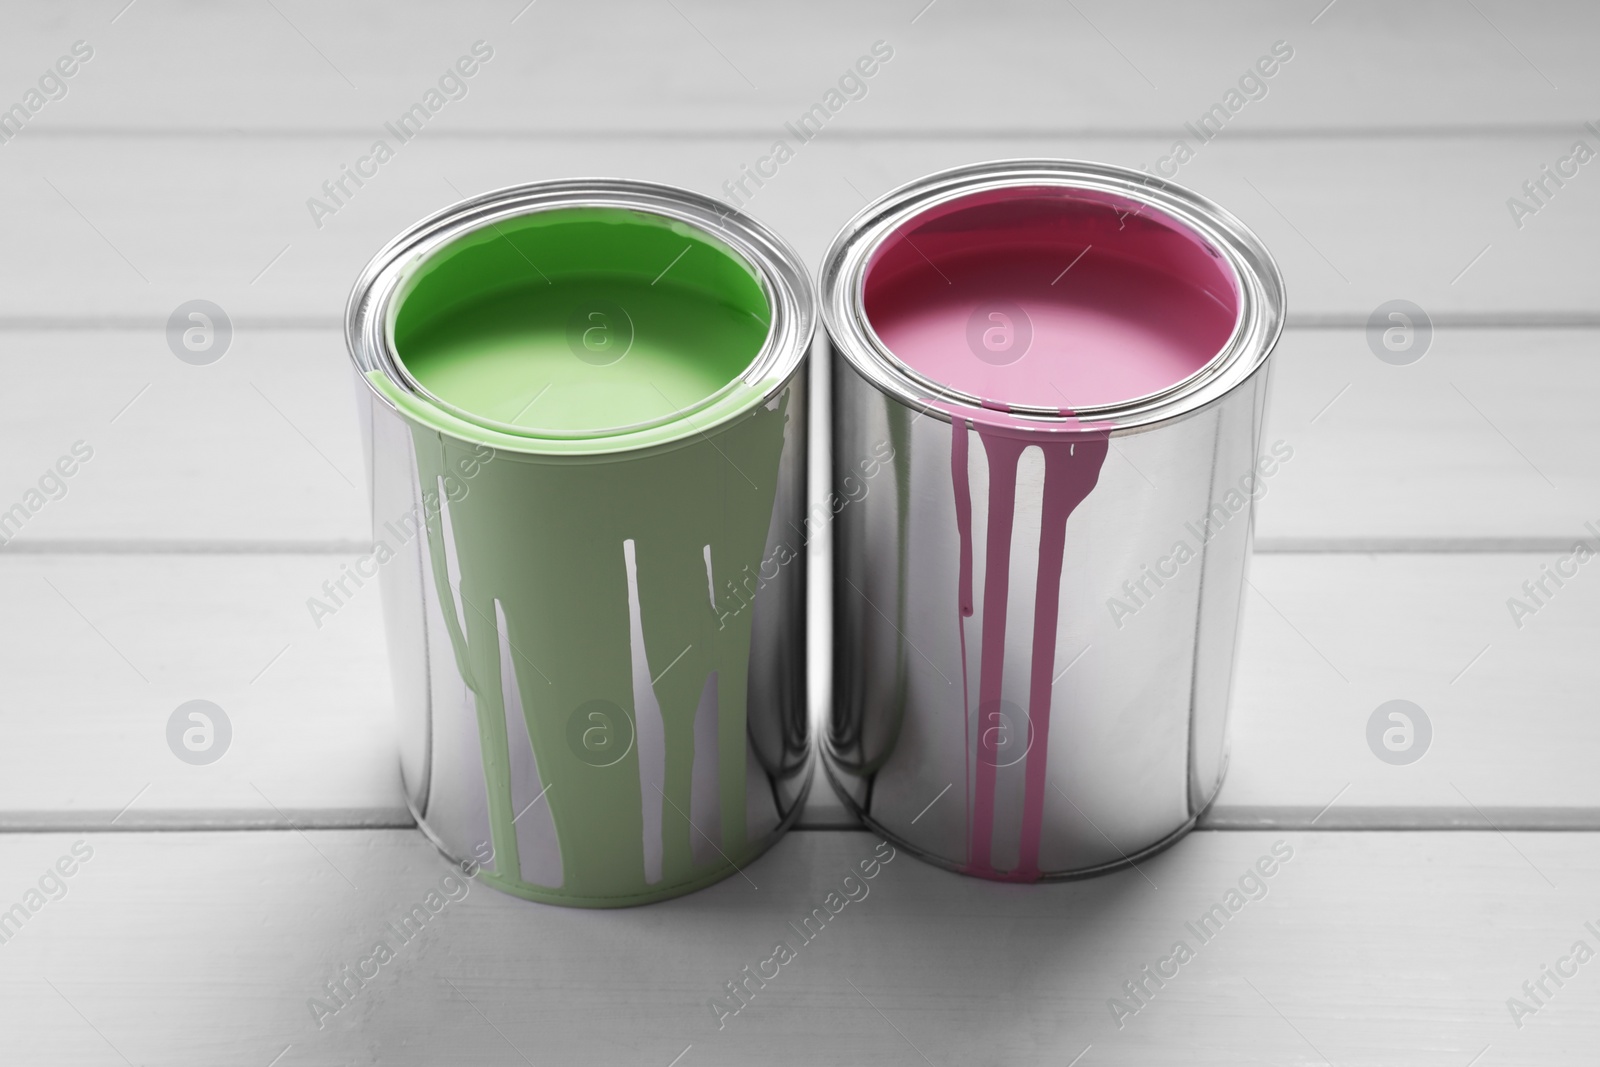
(1036, 606)
(584, 405)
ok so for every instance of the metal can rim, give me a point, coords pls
(1255, 335)
(370, 308)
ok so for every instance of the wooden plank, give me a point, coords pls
(1365, 949)
(1329, 639)
(116, 643)
(1476, 442)
(116, 231)
(714, 66)
(113, 645)
(261, 450)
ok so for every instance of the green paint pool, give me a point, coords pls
(581, 323)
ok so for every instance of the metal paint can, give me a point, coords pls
(1036, 618)
(595, 624)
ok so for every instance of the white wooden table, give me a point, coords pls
(217, 901)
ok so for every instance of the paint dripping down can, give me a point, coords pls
(1037, 602)
(585, 415)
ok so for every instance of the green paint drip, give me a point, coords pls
(541, 530)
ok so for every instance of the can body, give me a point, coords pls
(597, 703)
(1036, 623)
(1135, 735)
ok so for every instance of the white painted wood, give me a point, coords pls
(1479, 440)
(1328, 639)
(1367, 949)
(133, 226)
(102, 650)
(644, 66)
(261, 448)
(1513, 737)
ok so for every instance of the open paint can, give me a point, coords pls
(1037, 599)
(585, 416)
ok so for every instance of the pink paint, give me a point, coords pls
(1099, 301)
(1121, 301)
(1003, 455)
(1071, 471)
(959, 478)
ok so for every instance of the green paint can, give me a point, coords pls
(584, 405)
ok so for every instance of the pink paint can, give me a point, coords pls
(1049, 382)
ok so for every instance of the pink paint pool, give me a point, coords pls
(1043, 297)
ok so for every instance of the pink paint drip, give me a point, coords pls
(1072, 469)
(959, 478)
(1003, 454)
(1120, 301)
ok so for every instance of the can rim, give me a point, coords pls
(1256, 329)
(375, 297)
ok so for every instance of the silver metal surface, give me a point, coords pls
(444, 744)
(1133, 745)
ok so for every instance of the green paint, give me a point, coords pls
(580, 323)
(542, 528)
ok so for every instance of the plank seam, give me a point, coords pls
(1302, 132)
(1545, 319)
(1272, 546)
